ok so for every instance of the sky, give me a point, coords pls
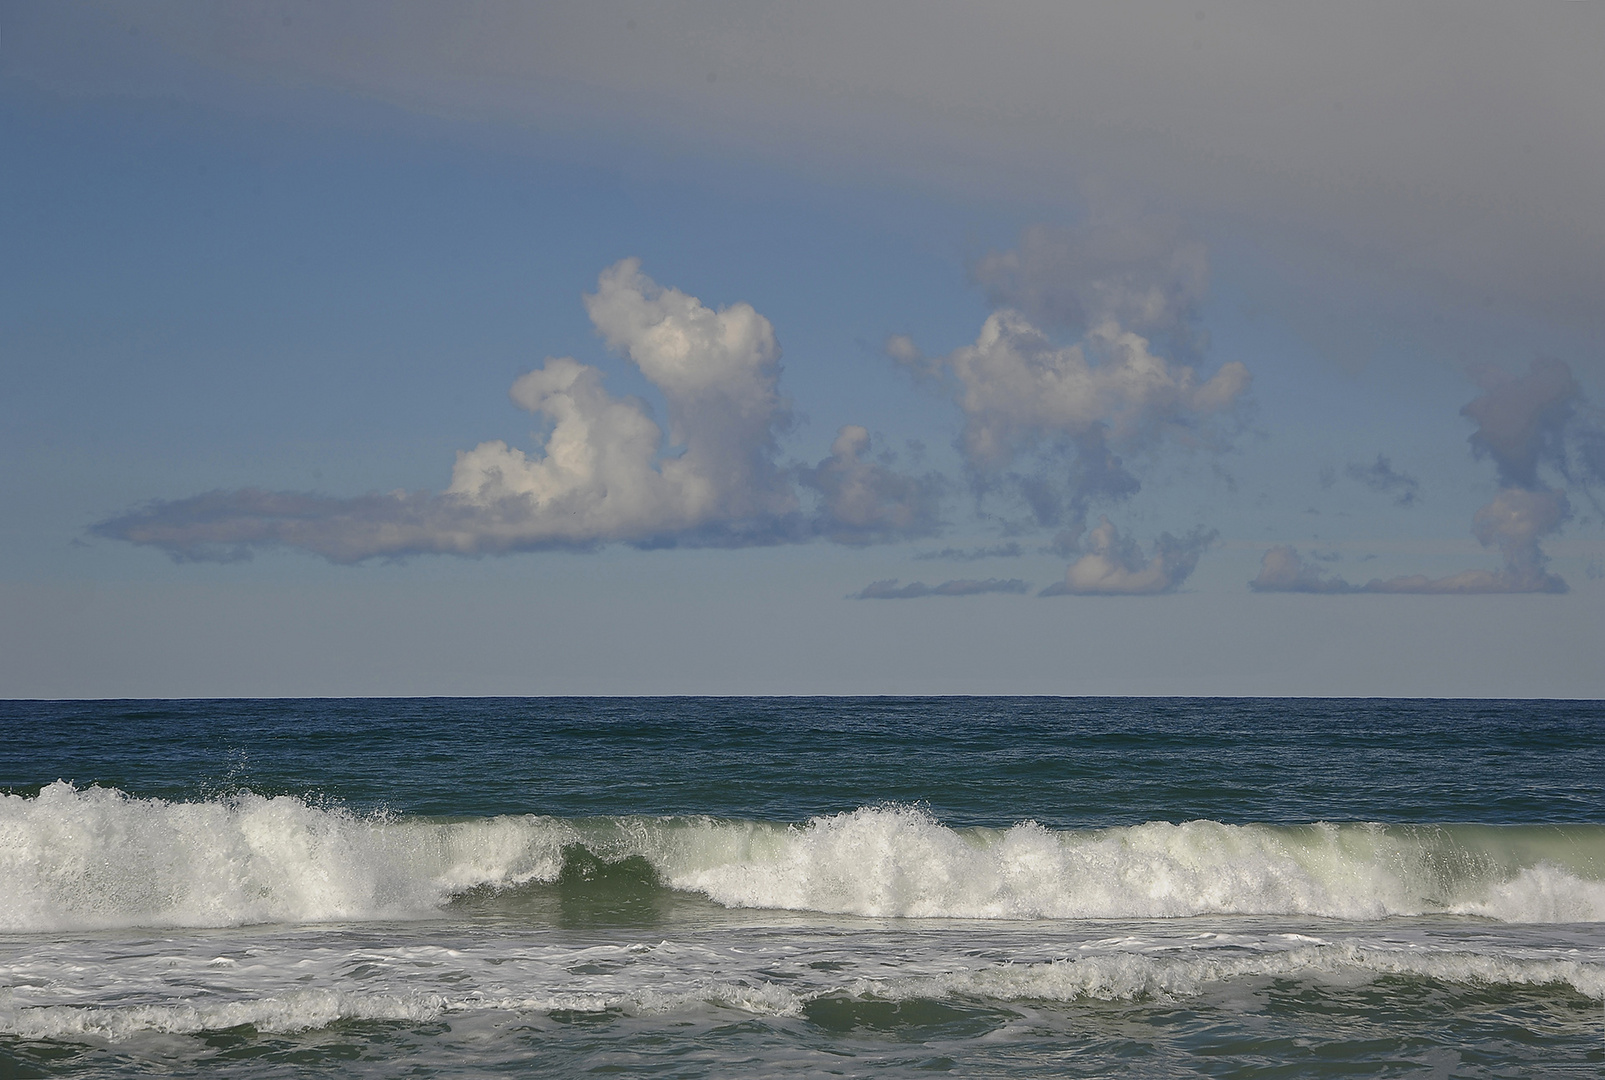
(728, 348)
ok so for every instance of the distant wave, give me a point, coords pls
(95, 857)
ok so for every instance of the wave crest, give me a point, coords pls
(93, 858)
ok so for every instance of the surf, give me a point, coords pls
(97, 858)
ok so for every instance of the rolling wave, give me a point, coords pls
(95, 858)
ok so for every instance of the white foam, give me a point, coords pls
(897, 861)
(1128, 976)
(1541, 893)
(303, 1010)
(295, 1011)
(174, 988)
(96, 858)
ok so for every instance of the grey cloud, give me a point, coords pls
(1076, 412)
(228, 526)
(1137, 270)
(1514, 522)
(889, 589)
(1451, 145)
(1284, 570)
(997, 551)
(1467, 583)
(1114, 565)
(601, 476)
(1523, 424)
(1381, 477)
(865, 503)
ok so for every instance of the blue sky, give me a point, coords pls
(1128, 305)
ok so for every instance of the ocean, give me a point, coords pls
(732, 887)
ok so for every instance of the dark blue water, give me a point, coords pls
(972, 761)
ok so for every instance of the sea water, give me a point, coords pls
(832, 887)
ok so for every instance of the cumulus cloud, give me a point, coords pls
(1105, 392)
(602, 475)
(1106, 395)
(889, 589)
(1114, 565)
(1523, 424)
(1381, 478)
(1059, 425)
(1128, 286)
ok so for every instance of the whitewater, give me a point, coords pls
(733, 887)
(97, 858)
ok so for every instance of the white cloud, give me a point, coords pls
(599, 476)
(1018, 388)
(1076, 412)
(602, 474)
(1128, 284)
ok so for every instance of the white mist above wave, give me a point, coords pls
(97, 858)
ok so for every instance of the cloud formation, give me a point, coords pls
(602, 475)
(1056, 424)
(1107, 392)
(1114, 564)
(1079, 410)
(1523, 424)
(889, 589)
(1380, 477)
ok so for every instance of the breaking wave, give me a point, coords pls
(95, 858)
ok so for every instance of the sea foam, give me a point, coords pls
(95, 858)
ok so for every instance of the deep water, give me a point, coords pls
(728, 887)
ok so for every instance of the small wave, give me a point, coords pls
(97, 858)
(305, 1010)
(1131, 976)
(300, 1010)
